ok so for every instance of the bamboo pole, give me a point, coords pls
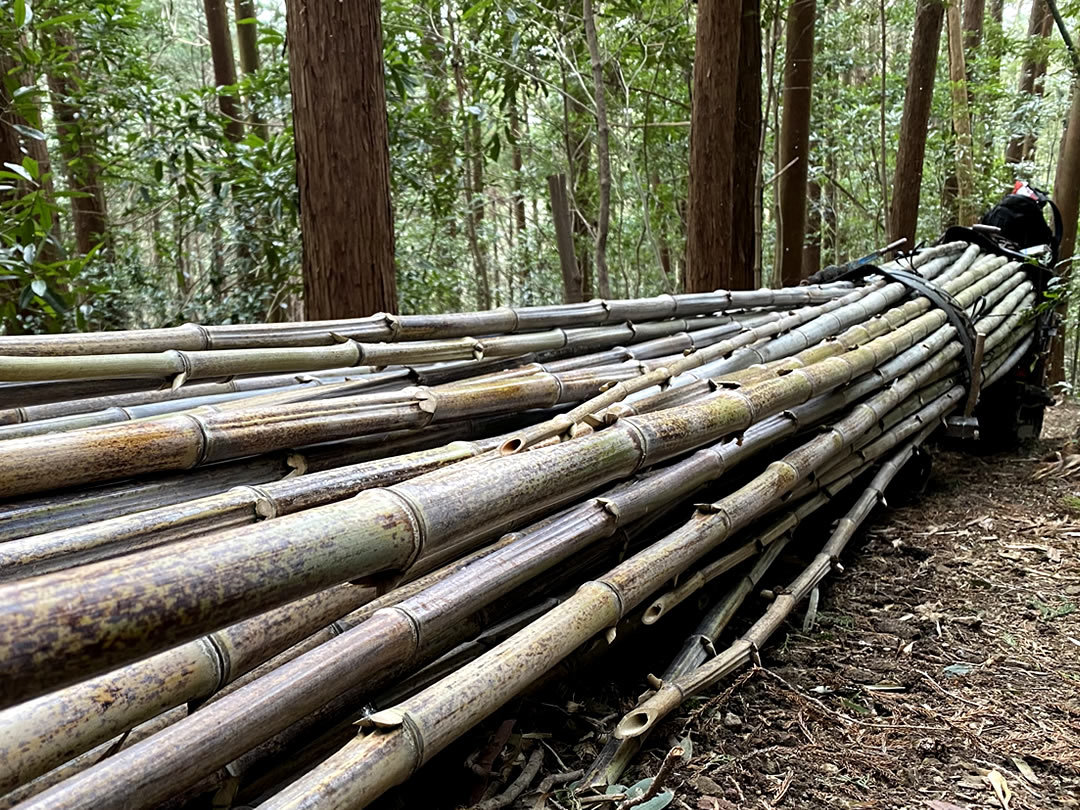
(410, 733)
(389, 328)
(743, 651)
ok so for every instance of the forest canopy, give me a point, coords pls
(149, 173)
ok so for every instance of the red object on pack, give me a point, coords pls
(1022, 189)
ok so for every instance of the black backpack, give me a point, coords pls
(1021, 221)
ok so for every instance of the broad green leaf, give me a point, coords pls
(38, 286)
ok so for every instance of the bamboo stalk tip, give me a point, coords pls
(653, 612)
(512, 445)
(634, 724)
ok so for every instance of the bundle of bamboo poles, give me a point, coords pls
(223, 547)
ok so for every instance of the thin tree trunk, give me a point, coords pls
(883, 174)
(603, 155)
(965, 169)
(516, 164)
(221, 53)
(247, 40)
(811, 260)
(746, 150)
(342, 157)
(709, 248)
(795, 136)
(564, 238)
(1032, 70)
(474, 208)
(88, 209)
(907, 182)
(1067, 197)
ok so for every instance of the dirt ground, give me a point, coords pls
(943, 671)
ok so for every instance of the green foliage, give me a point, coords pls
(494, 95)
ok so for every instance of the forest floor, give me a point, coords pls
(943, 671)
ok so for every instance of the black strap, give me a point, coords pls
(965, 330)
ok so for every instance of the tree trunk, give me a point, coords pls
(88, 208)
(709, 248)
(474, 207)
(961, 117)
(746, 150)
(1067, 197)
(795, 136)
(811, 260)
(603, 158)
(516, 164)
(221, 54)
(974, 12)
(564, 238)
(907, 183)
(1022, 146)
(247, 40)
(342, 157)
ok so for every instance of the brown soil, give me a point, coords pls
(943, 670)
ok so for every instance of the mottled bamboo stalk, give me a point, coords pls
(381, 327)
(668, 697)
(182, 441)
(410, 733)
(797, 348)
(43, 733)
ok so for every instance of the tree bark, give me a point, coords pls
(811, 260)
(88, 209)
(221, 54)
(1032, 70)
(746, 151)
(795, 136)
(603, 155)
(961, 117)
(247, 40)
(342, 157)
(474, 206)
(516, 164)
(564, 238)
(907, 182)
(1067, 197)
(974, 13)
(709, 248)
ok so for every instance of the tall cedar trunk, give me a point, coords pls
(795, 137)
(907, 183)
(746, 151)
(247, 40)
(1067, 197)
(88, 209)
(516, 164)
(474, 206)
(811, 260)
(342, 157)
(961, 117)
(712, 156)
(1021, 145)
(603, 158)
(221, 53)
(974, 12)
